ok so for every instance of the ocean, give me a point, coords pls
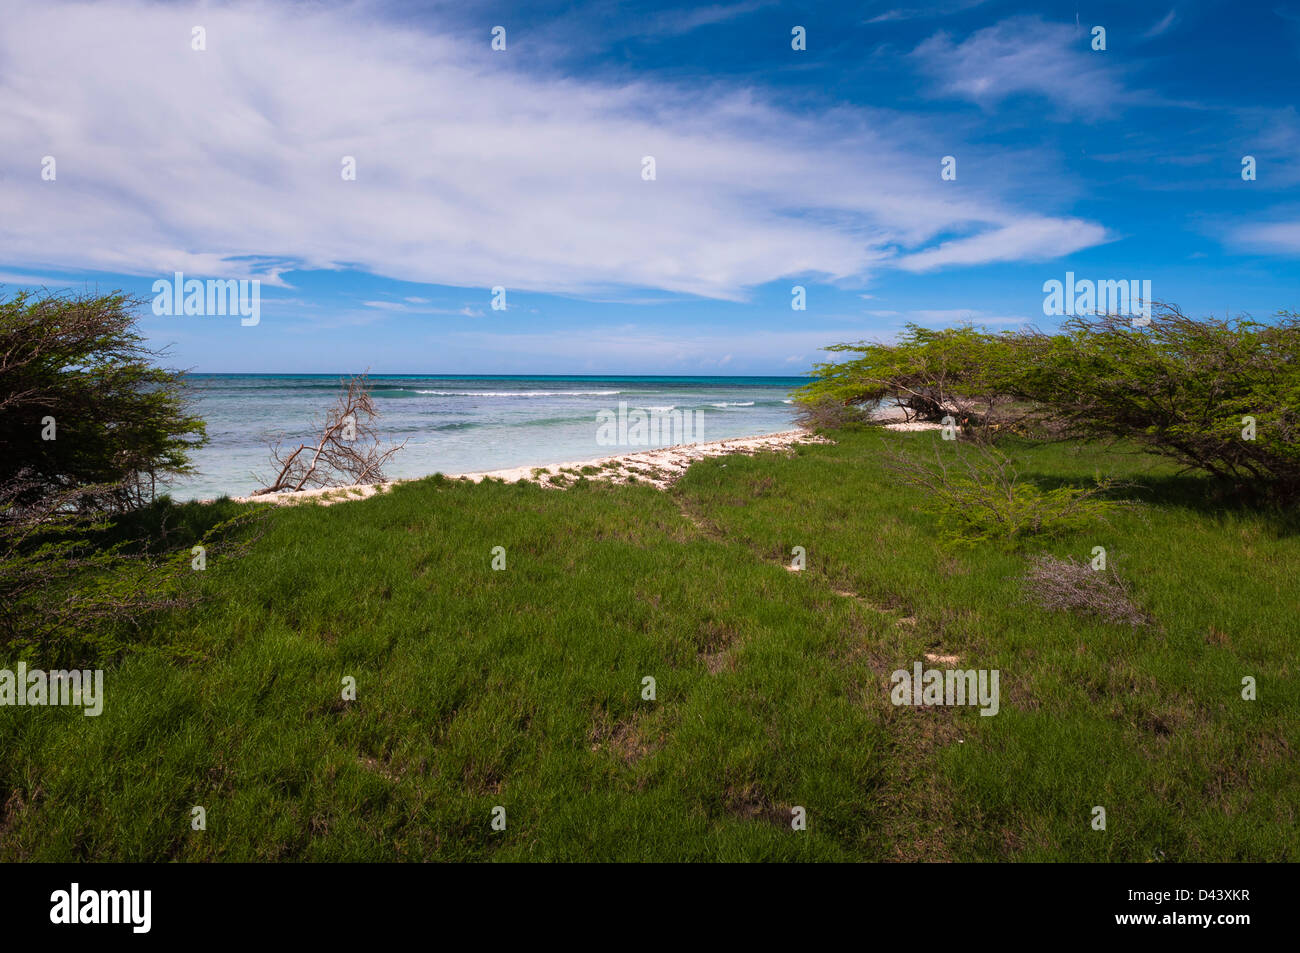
(462, 424)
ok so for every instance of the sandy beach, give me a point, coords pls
(659, 467)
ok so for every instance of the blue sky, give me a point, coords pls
(522, 168)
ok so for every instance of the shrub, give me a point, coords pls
(1219, 396)
(75, 586)
(826, 413)
(960, 372)
(75, 369)
(1184, 388)
(979, 495)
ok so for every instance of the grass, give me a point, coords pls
(523, 688)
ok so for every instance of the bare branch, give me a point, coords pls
(348, 450)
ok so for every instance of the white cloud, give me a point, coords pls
(1024, 55)
(401, 307)
(1162, 25)
(469, 172)
(631, 347)
(938, 8)
(679, 22)
(957, 316)
(1274, 237)
(1030, 239)
(948, 317)
(38, 281)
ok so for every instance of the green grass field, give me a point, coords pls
(522, 688)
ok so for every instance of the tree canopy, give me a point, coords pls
(1218, 395)
(82, 402)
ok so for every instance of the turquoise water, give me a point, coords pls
(461, 424)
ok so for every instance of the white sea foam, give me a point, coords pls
(463, 424)
(518, 393)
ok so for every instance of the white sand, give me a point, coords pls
(898, 420)
(914, 425)
(659, 467)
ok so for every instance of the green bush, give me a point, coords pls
(1220, 396)
(826, 413)
(88, 428)
(960, 372)
(76, 586)
(979, 495)
(82, 405)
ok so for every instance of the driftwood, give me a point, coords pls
(348, 450)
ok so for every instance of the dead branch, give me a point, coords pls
(347, 452)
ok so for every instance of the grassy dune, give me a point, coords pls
(522, 688)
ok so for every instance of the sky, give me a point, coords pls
(141, 139)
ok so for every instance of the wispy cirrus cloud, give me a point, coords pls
(929, 11)
(612, 349)
(421, 306)
(1024, 55)
(470, 172)
(1027, 239)
(8, 278)
(1271, 237)
(1162, 26)
(950, 317)
(684, 21)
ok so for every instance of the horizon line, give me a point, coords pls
(479, 376)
